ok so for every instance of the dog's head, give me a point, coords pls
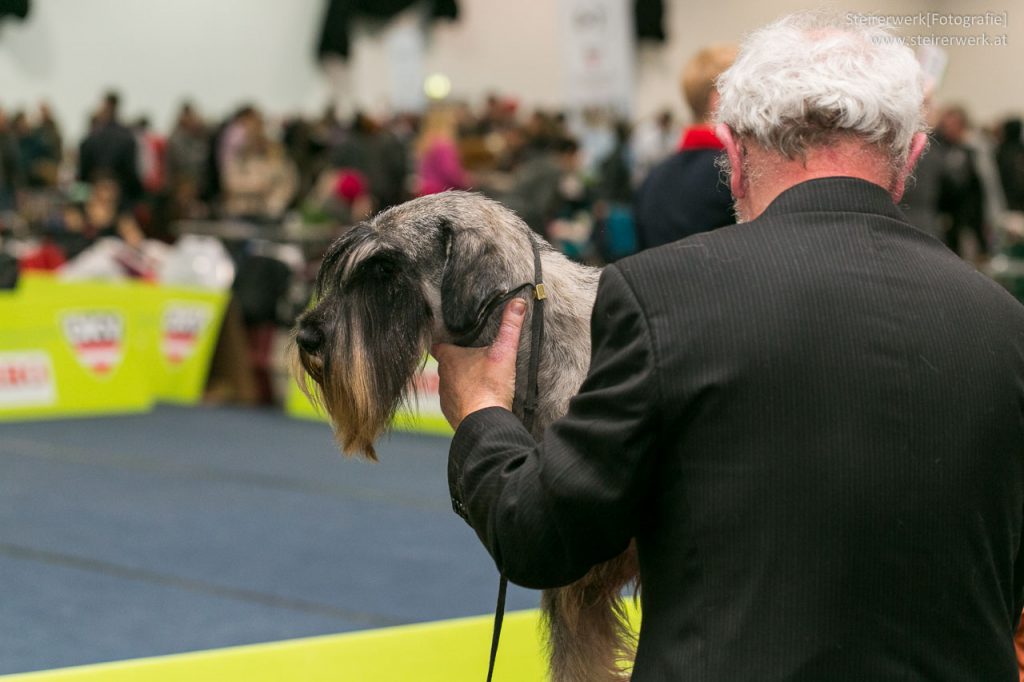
(427, 271)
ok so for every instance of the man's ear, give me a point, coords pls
(713, 100)
(917, 146)
(737, 181)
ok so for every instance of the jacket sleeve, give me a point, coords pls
(548, 512)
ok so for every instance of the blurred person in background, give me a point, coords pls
(39, 148)
(961, 193)
(212, 187)
(308, 143)
(1010, 160)
(30, 149)
(341, 196)
(110, 152)
(258, 177)
(326, 129)
(351, 159)
(595, 131)
(187, 149)
(375, 154)
(81, 224)
(389, 168)
(521, 143)
(615, 227)
(438, 166)
(102, 215)
(342, 192)
(152, 148)
(497, 117)
(571, 229)
(683, 195)
(235, 132)
(10, 164)
(614, 183)
(654, 140)
(921, 199)
(185, 169)
(305, 153)
(545, 161)
(48, 131)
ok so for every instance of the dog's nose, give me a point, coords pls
(309, 338)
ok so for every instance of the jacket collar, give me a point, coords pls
(699, 137)
(835, 195)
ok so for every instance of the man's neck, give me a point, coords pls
(773, 175)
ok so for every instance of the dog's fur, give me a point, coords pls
(418, 274)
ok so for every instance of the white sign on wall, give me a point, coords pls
(598, 48)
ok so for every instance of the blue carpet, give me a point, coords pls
(195, 528)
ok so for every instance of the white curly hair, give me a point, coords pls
(810, 78)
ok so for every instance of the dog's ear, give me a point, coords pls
(475, 274)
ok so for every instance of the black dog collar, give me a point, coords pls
(467, 337)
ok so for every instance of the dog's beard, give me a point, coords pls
(375, 342)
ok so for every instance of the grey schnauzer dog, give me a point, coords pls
(432, 271)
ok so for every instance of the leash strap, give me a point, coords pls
(536, 337)
(499, 616)
(529, 412)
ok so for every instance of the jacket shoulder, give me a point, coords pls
(690, 256)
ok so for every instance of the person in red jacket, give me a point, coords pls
(684, 194)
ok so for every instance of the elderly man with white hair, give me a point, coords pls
(811, 423)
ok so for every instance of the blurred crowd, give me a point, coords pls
(597, 187)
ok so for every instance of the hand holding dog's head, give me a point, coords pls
(477, 378)
(421, 273)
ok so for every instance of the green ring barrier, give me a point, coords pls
(444, 651)
(88, 348)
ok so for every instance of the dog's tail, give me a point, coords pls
(590, 639)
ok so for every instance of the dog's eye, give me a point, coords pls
(309, 338)
(383, 266)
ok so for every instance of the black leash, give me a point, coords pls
(529, 405)
(499, 616)
(532, 397)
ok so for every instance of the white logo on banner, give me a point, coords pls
(97, 339)
(26, 379)
(183, 325)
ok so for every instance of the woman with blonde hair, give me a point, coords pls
(437, 156)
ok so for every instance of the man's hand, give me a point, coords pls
(475, 378)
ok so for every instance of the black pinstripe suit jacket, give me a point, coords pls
(812, 425)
